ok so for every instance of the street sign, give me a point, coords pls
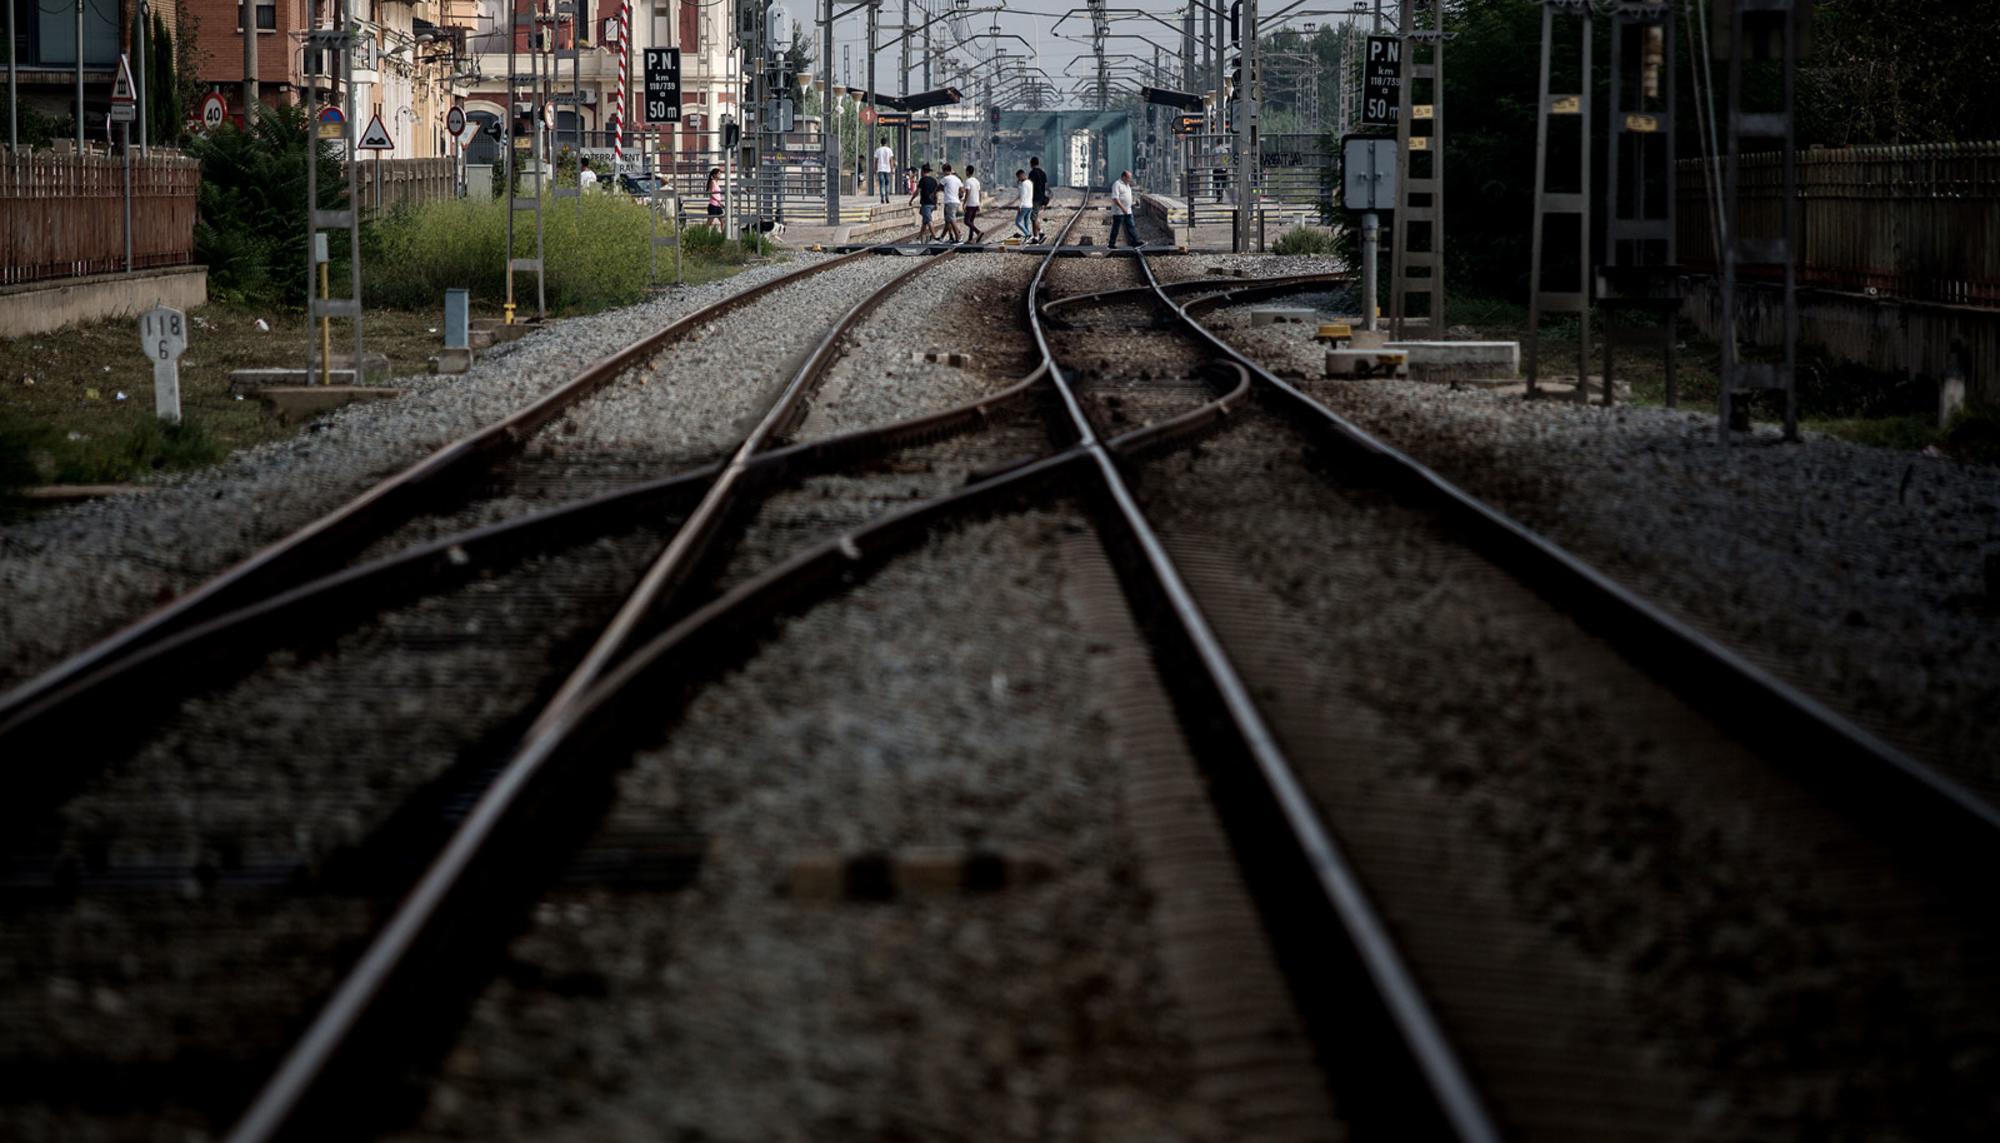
(892, 118)
(214, 109)
(663, 85)
(163, 338)
(1382, 81)
(124, 104)
(455, 123)
(780, 115)
(332, 124)
(867, 115)
(376, 137)
(549, 116)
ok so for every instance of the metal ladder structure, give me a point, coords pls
(1563, 203)
(1420, 196)
(566, 14)
(333, 48)
(1641, 269)
(1760, 29)
(518, 204)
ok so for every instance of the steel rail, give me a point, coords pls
(49, 722)
(1226, 286)
(552, 762)
(555, 760)
(387, 504)
(1787, 722)
(1456, 1104)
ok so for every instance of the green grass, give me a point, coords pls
(594, 262)
(1305, 240)
(34, 452)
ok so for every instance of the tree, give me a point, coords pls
(250, 219)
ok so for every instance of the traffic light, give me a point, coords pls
(732, 134)
(1236, 21)
(1236, 74)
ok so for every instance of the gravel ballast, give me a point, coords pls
(1714, 945)
(1853, 572)
(935, 708)
(76, 575)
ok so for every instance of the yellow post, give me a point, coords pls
(326, 329)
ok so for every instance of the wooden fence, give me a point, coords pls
(407, 182)
(1919, 222)
(62, 216)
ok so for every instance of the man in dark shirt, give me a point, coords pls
(925, 196)
(1039, 178)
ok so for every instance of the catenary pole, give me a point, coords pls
(79, 75)
(13, 85)
(250, 95)
(828, 124)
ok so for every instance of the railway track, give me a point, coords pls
(1459, 973)
(1485, 726)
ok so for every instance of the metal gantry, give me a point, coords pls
(524, 15)
(1641, 271)
(1572, 106)
(1760, 29)
(332, 50)
(566, 14)
(1420, 174)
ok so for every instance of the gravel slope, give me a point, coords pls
(76, 575)
(1855, 572)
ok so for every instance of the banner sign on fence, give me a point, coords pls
(663, 85)
(1382, 81)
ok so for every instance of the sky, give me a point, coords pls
(1040, 22)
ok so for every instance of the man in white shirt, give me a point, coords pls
(949, 188)
(885, 164)
(1121, 209)
(586, 179)
(972, 188)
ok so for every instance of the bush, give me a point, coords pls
(605, 261)
(1305, 240)
(250, 224)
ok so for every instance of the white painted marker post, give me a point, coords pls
(163, 337)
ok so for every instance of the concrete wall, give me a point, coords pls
(39, 307)
(1920, 340)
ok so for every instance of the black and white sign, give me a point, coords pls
(124, 107)
(1382, 81)
(663, 85)
(163, 338)
(454, 123)
(376, 137)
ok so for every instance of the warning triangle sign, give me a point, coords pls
(376, 138)
(121, 88)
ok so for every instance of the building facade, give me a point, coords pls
(418, 71)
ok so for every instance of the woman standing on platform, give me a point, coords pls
(715, 198)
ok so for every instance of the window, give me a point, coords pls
(267, 15)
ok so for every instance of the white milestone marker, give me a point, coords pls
(163, 336)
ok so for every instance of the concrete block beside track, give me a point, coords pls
(1460, 360)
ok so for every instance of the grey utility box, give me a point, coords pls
(457, 319)
(1369, 174)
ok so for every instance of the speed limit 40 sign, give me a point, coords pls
(663, 85)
